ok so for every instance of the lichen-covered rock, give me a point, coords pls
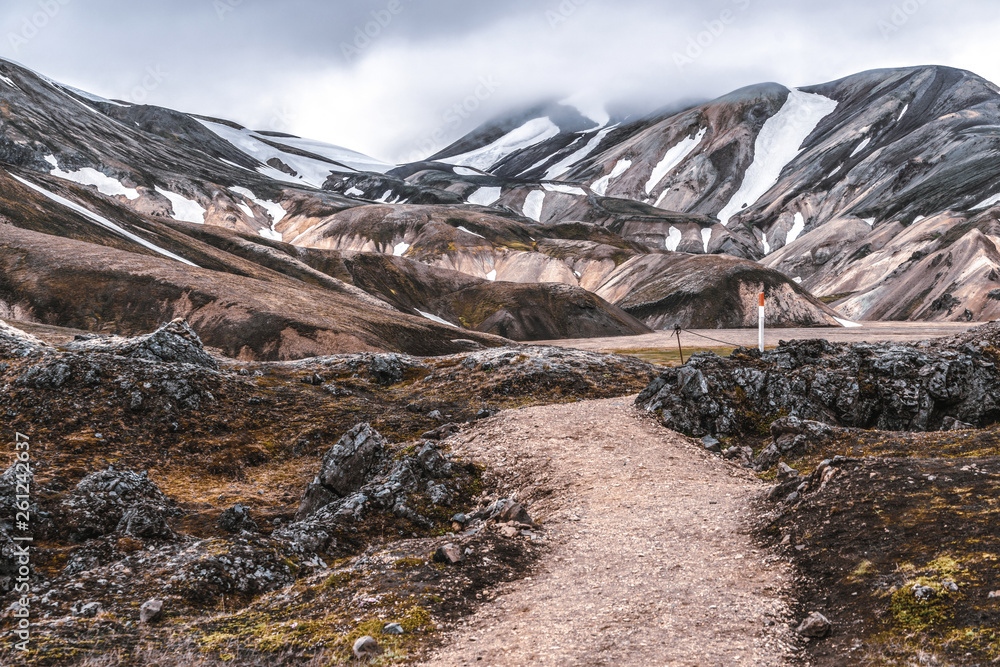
(346, 467)
(358, 476)
(174, 342)
(17, 343)
(237, 519)
(145, 521)
(101, 499)
(890, 387)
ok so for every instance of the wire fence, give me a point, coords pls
(714, 340)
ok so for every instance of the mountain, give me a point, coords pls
(860, 188)
(117, 217)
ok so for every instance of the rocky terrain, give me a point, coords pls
(282, 509)
(886, 466)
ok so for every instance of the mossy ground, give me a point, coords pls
(885, 525)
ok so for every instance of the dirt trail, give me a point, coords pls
(649, 561)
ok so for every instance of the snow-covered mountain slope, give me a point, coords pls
(767, 167)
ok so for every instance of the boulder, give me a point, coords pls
(366, 648)
(101, 500)
(815, 626)
(151, 611)
(449, 554)
(237, 519)
(346, 467)
(173, 342)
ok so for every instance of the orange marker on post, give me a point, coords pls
(761, 322)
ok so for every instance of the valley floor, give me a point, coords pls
(869, 332)
(649, 559)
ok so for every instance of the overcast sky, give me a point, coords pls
(384, 76)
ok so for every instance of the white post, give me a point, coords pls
(761, 321)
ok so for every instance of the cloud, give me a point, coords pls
(396, 78)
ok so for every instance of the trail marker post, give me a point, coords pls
(761, 322)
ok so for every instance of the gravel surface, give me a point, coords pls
(649, 560)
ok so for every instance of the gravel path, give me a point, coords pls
(649, 563)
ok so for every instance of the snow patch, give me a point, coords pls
(465, 171)
(835, 171)
(88, 176)
(565, 189)
(533, 205)
(8, 81)
(311, 171)
(600, 186)
(531, 133)
(354, 192)
(919, 218)
(673, 239)
(986, 203)
(798, 226)
(247, 210)
(847, 323)
(385, 197)
(797, 280)
(706, 237)
(778, 143)
(185, 210)
(233, 164)
(468, 231)
(274, 211)
(399, 249)
(485, 196)
(863, 145)
(435, 318)
(767, 246)
(870, 221)
(492, 275)
(902, 113)
(104, 222)
(677, 154)
(567, 163)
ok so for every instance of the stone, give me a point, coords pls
(514, 511)
(366, 648)
(145, 521)
(950, 585)
(387, 369)
(815, 626)
(994, 594)
(151, 611)
(345, 468)
(237, 519)
(442, 432)
(88, 610)
(711, 444)
(923, 592)
(785, 472)
(509, 530)
(450, 554)
(393, 629)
